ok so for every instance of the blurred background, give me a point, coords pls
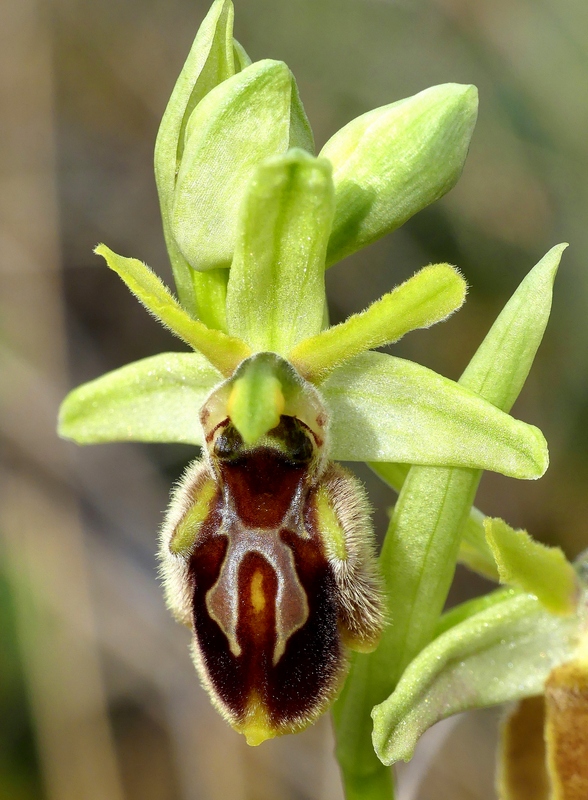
(98, 697)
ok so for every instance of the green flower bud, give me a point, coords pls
(214, 57)
(393, 161)
(253, 115)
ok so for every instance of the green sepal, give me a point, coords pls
(251, 116)
(503, 653)
(538, 569)
(393, 161)
(501, 364)
(428, 297)
(156, 399)
(276, 290)
(210, 62)
(224, 352)
(387, 409)
(256, 400)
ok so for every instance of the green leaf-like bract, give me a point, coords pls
(387, 409)
(393, 161)
(157, 399)
(503, 653)
(276, 290)
(497, 372)
(422, 543)
(473, 550)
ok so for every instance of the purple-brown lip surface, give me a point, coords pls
(265, 610)
(268, 555)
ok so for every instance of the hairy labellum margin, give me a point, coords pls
(267, 554)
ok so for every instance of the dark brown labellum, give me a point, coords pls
(267, 553)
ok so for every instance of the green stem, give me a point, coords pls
(360, 768)
(418, 561)
(419, 557)
(378, 785)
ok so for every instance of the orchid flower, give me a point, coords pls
(267, 550)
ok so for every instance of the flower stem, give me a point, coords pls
(378, 785)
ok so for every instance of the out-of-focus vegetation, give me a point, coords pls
(92, 666)
(18, 761)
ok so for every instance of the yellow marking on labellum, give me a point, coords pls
(187, 530)
(330, 527)
(257, 593)
(256, 726)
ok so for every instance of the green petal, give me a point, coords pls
(387, 409)
(428, 297)
(393, 161)
(503, 653)
(474, 551)
(247, 118)
(210, 61)
(276, 291)
(224, 352)
(540, 570)
(157, 399)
